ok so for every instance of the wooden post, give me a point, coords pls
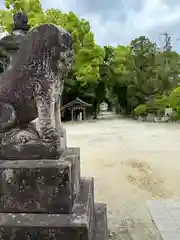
(84, 113)
(72, 114)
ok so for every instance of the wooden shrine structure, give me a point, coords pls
(77, 109)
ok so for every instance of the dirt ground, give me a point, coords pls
(132, 162)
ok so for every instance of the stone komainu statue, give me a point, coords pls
(32, 88)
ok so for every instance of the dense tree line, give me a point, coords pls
(138, 76)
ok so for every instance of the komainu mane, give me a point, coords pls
(33, 86)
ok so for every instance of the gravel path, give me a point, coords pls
(132, 162)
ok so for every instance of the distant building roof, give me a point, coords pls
(77, 102)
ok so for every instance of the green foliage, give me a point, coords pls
(138, 75)
(31, 7)
(120, 58)
(154, 106)
(157, 105)
(175, 116)
(141, 110)
(88, 60)
(88, 54)
(162, 101)
(6, 20)
(174, 99)
(141, 73)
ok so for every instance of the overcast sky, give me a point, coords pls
(119, 21)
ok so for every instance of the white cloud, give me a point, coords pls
(153, 15)
(63, 5)
(120, 23)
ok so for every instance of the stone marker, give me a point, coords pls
(42, 195)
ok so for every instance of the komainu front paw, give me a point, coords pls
(54, 149)
(51, 139)
(24, 136)
(23, 139)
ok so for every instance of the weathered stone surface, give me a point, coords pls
(150, 118)
(32, 150)
(77, 226)
(32, 88)
(166, 216)
(63, 139)
(72, 151)
(20, 22)
(41, 193)
(44, 186)
(100, 229)
(84, 204)
(15, 148)
(73, 155)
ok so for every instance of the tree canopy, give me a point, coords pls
(123, 76)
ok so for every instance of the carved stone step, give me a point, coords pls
(55, 232)
(101, 228)
(71, 151)
(73, 155)
(79, 225)
(84, 204)
(40, 186)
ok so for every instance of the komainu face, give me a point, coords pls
(46, 46)
(66, 50)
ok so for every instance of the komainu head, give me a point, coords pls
(45, 47)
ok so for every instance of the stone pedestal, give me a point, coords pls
(47, 199)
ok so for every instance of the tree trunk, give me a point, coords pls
(96, 109)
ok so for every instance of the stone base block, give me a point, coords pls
(101, 228)
(40, 186)
(73, 155)
(43, 232)
(76, 226)
(63, 139)
(51, 227)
